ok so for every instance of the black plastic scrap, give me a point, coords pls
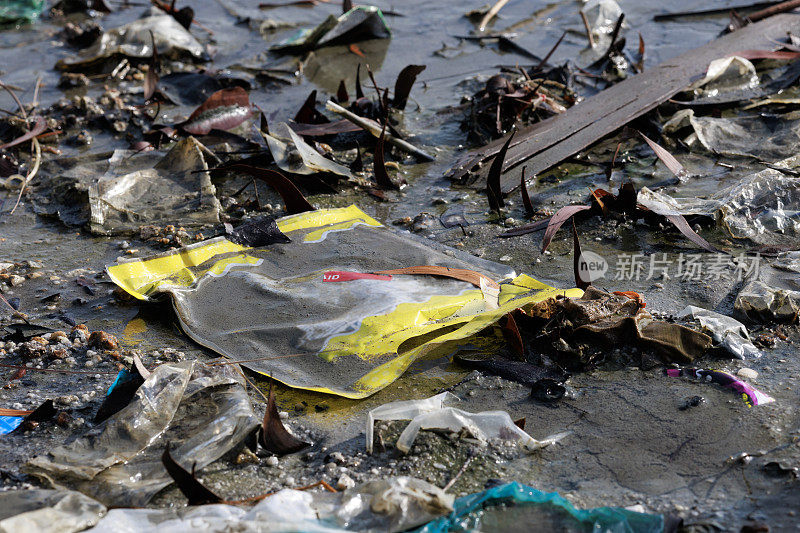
(549, 142)
(260, 231)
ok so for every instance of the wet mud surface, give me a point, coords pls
(636, 437)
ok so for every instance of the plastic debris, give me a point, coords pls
(430, 413)
(358, 24)
(293, 154)
(750, 395)
(727, 331)
(317, 317)
(136, 39)
(506, 507)
(48, 511)
(391, 504)
(204, 411)
(761, 207)
(132, 189)
(10, 419)
(734, 135)
(20, 11)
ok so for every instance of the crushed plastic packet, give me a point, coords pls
(344, 308)
(202, 410)
(726, 331)
(750, 395)
(430, 413)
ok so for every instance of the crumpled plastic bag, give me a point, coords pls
(490, 511)
(778, 135)
(726, 74)
(392, 504)
(763, 207)
(727, 331)
(430, 413)
(129, 190)
(133, 40)
(47, 511)
(602, 16)
(313, 314)
(202, 410)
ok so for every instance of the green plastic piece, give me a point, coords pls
(20, 10)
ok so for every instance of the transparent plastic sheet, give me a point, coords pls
(430, 413)
(778, 135)
(392, 504)
(310, 314)
(763, 207)
(151, 188)
(47, 511)
(203, 411)
(727, 331)
(122, 191)
(505, 507)
(134, 40)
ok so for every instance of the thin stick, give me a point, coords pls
(491, 14)
(35, 102)
(588, 29)
(543, 62)
(774, 10)
(37, 160)
(375, 129)
(257, 358)
(458, 474)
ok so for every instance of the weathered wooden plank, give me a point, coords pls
(547, 143)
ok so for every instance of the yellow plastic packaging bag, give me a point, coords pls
(337, 309)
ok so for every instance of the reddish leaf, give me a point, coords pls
(347, 5)
(187, 483)
(690, 234)
(402, 87)
(577, 259)
(526, 200)
(379, 165)
(557, 220)
(151, 79)
(308, 113)
(667, 158)
(341, 93)
(640, 63)
(274, 437)
(539, 225)
(38, 128)
(358, 164)
(493, 191)
(462, 274)
(512, 336)
(293, 200)
(232, 106)
(356, 50)
(767, 54)
(359, 91)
